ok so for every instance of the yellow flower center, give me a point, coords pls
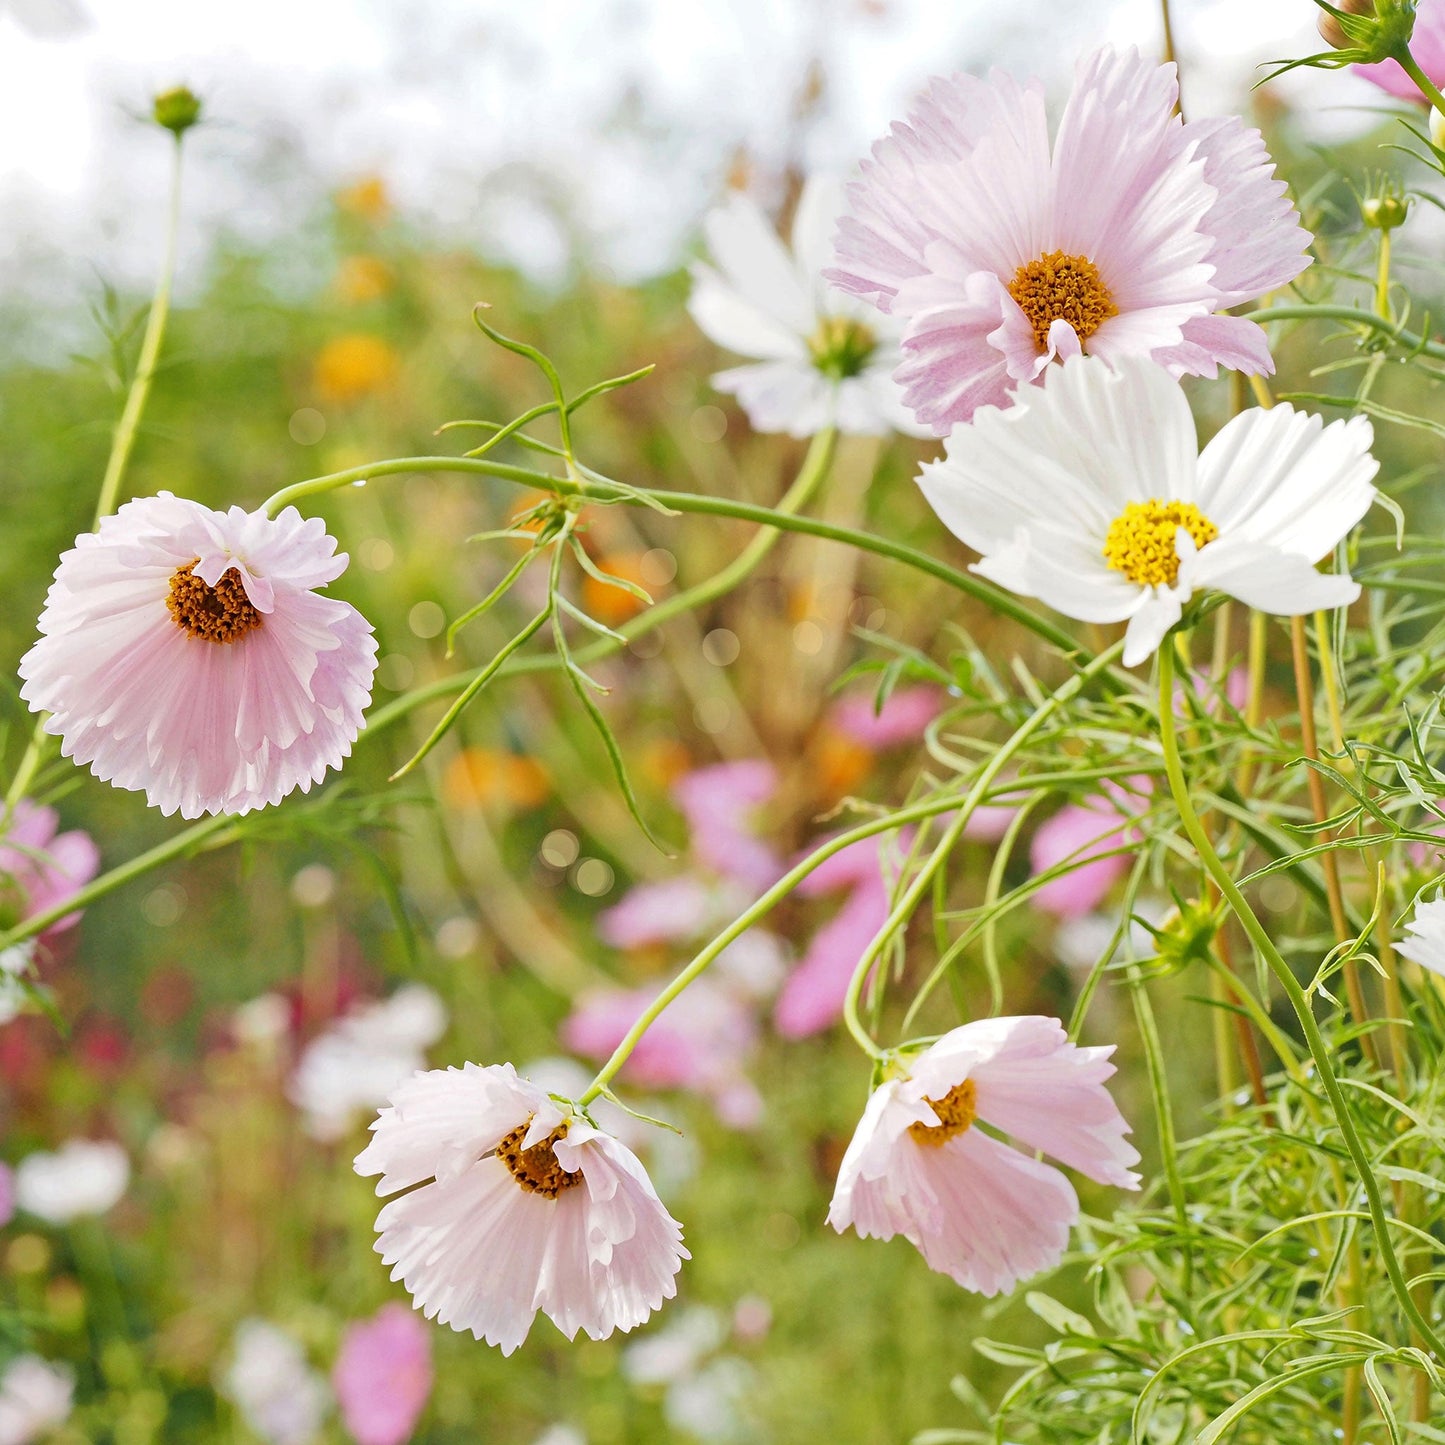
(1058, 286)
(222, 613)
(956, 1111)
(1140, 542)
(536, 1169)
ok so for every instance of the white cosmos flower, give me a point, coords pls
(281, 1398)
(1090, 493)
(818, 360)
(35, 1396)
(1425, 941)
(516, 1204)
(85, 1176)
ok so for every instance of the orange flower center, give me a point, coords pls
(536, 1169)
(222, 613)
(956, 1111)
(1057, 287)
(1140, 540)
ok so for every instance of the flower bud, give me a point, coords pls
(1329, 25)
(1369, 30)
(177, 110)
(1385, 211)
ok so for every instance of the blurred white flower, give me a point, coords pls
(665, 1355)
(351, 1069)
(817, 361)
(561, 1435)
(47, 19)
(280, 1397)
(14, 963)
(711, 1403)
(35, 1396)
(1425, 940)
(84, 1176)
(262, 1021)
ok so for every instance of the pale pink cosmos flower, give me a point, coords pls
(41, 867)
(186, 653)
(383, 1375)
(905, 714)
(1133, 234)
(979, 1210)
(35, 1397)
(1427, 45)
(516, 1204)
(1087, 836)
(718, 803)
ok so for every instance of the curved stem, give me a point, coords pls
(903, 909)
(1355, 317)
(1319, 1050)
(1428, 88)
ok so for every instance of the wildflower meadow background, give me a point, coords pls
(802, 720)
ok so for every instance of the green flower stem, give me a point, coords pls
(121, 444)
(1428, 88)
(903, 909)
(606, 492)
(1306, 311)
(746, 920)
(207, 832)
(1382, 274)
(1319, 1050)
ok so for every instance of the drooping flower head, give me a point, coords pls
(821, 357)
(40, 867)
(1091, 494)
(186, 653)
(523, 1206)
(383, 1375)
(978, 1209)
(1131, 235)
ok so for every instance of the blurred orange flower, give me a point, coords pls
(354, 365)
(838, 763)
(490, 777)
(664, 761)
(366, 199)
(614, 604)
(360, 279)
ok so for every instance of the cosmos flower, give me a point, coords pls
(383, 1375)
(82, 1177)
(903, 717)
(718, 803)
(818, 361)
(41, 867)
(353, 1066)
(1424, 942)
(978, 1209)
(35, 1396)
(516, 1204)
(187, 654)
(1131, 235)
(1086, 836)
(280, 1397)
(1092, 496)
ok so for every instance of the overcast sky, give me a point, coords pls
(528, 130)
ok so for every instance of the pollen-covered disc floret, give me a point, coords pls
(999, 247)
(927, 1161)
(1140, 540)
(516, 1204)
(189, 654)
(1090, 493)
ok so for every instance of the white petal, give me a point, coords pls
(754, 261)
(723, 315)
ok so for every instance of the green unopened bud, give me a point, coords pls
(1368, 30)
(1187, 934)
(1385, 211)
(177, 110)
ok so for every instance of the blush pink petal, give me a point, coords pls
(718, 803)
(902, 719)
(200, 726)
(383, 1376)
(1181, 222)
(44, 866)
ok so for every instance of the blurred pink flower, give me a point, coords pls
(383, 1375)
(42, 866)
(1130, 234)
(1088, 833)
(904, 716)
(1236, 690)
(699, 1042)
(812, 998)
(7, 1195)
(660, 912)
(718, 802)
(187, 653)
(516, 1204)
(1427, 45)
(979, 1210)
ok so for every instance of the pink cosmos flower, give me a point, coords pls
(1131, 235)
(718, 803)
(383, 1375)
(186, 653)
(902, 719)
(7, 1195)
(516, 1204)
(1086, 835)
(699, 1042)
(1427, 45)
(979, 1210)
(812, 998)
(660, 912)
(41, 867)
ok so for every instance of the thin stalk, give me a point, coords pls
(1319, 1049)
(1428, 88)
(1382, 274)
(1407, 340)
